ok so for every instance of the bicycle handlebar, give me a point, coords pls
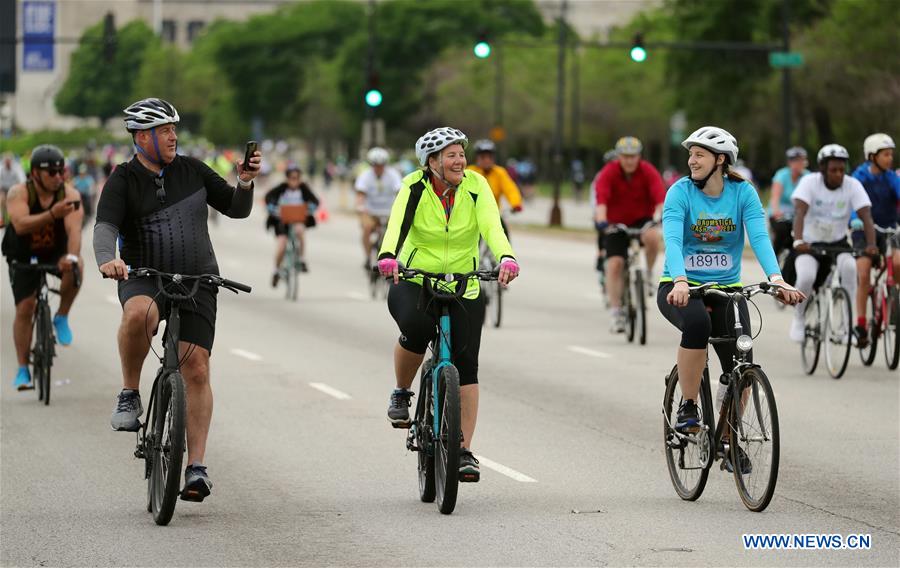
(49, 269)
(211, 279)
(631, 232)
(769, 288)
(445, 279)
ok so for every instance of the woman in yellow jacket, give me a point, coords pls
(435, 224)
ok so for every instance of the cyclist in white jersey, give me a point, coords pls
(823, 204)
(376, 189)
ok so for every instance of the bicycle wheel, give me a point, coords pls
(812, 334)
(167, 447)
(640, 308)
(838, 325)
(688, 457)
(446, 451)
(867, 353)
(49, 351)
(37, 356)
(423, 435)
(628, 306)
(892, 329)
(754, 432)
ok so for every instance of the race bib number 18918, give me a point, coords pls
(708, 261)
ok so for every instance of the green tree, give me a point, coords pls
(850, 83)
(99, 88)
(266, 60)
(411, 35)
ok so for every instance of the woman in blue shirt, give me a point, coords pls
(704, 218)
(781, 208)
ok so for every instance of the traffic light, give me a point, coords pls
(109, 37)
(373, 97)
(638, 53)
(373, 93)
(482, 47)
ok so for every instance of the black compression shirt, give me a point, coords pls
(171, 236)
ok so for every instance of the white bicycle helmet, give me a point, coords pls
(436, 140)
(149, 113)
(877, 142)
(829, 151)
(715, 140)
(377, 156)
(485, 145)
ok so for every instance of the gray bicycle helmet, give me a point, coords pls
(835, 151)
(436, 140)
(149, 113)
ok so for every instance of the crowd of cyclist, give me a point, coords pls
(433, 219)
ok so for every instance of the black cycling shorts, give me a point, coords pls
(25, 283)
(417, 326)
(198, 318)
(782, 235)
(616, 244)
(711, 316)
(859, 241)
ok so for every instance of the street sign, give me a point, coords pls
(785, 59)
(498, 134)
(38, 27)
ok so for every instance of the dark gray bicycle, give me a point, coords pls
(161, 439)
(43, 348)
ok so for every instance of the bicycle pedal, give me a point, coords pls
(401, 425)
(469, 477)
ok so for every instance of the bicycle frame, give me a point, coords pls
(443, 360)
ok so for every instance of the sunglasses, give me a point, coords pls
(55, 171)
(160, 189)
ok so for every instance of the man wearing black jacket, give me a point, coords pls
(155, 205)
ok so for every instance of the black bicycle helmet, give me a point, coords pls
(47, 156)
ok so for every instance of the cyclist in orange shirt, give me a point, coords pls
(497, 177)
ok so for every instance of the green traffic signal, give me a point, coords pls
(482, 49)
(638, 53)
(373, 97)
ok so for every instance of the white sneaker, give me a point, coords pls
(798, 330)
(616, 320)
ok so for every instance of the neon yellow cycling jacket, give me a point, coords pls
(419, 235)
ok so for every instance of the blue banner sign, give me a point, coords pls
(38, 30)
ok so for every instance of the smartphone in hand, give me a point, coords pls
(248, 153)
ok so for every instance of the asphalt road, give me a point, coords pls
(313, 475)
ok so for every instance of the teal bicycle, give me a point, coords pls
(435, 432)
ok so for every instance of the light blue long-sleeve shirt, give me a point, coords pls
(705, 235)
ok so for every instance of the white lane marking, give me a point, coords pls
(331, 391)
(113, 300)
(357, 296)
(589, 352)
(507, 471)
(246, 354)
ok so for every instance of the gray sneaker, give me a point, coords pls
(128, 410)
(398, 411)
(197, 485)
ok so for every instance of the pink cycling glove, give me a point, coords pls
(511, 266)
(387, 266)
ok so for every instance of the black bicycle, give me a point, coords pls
(43, 348)
(746, 437)
(161, 439)
(634, 289)
(436, 431)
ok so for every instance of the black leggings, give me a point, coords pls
(703, 318)
(417, 326)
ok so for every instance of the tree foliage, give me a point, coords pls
(99, 88)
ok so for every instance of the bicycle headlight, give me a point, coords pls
(744, 343)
